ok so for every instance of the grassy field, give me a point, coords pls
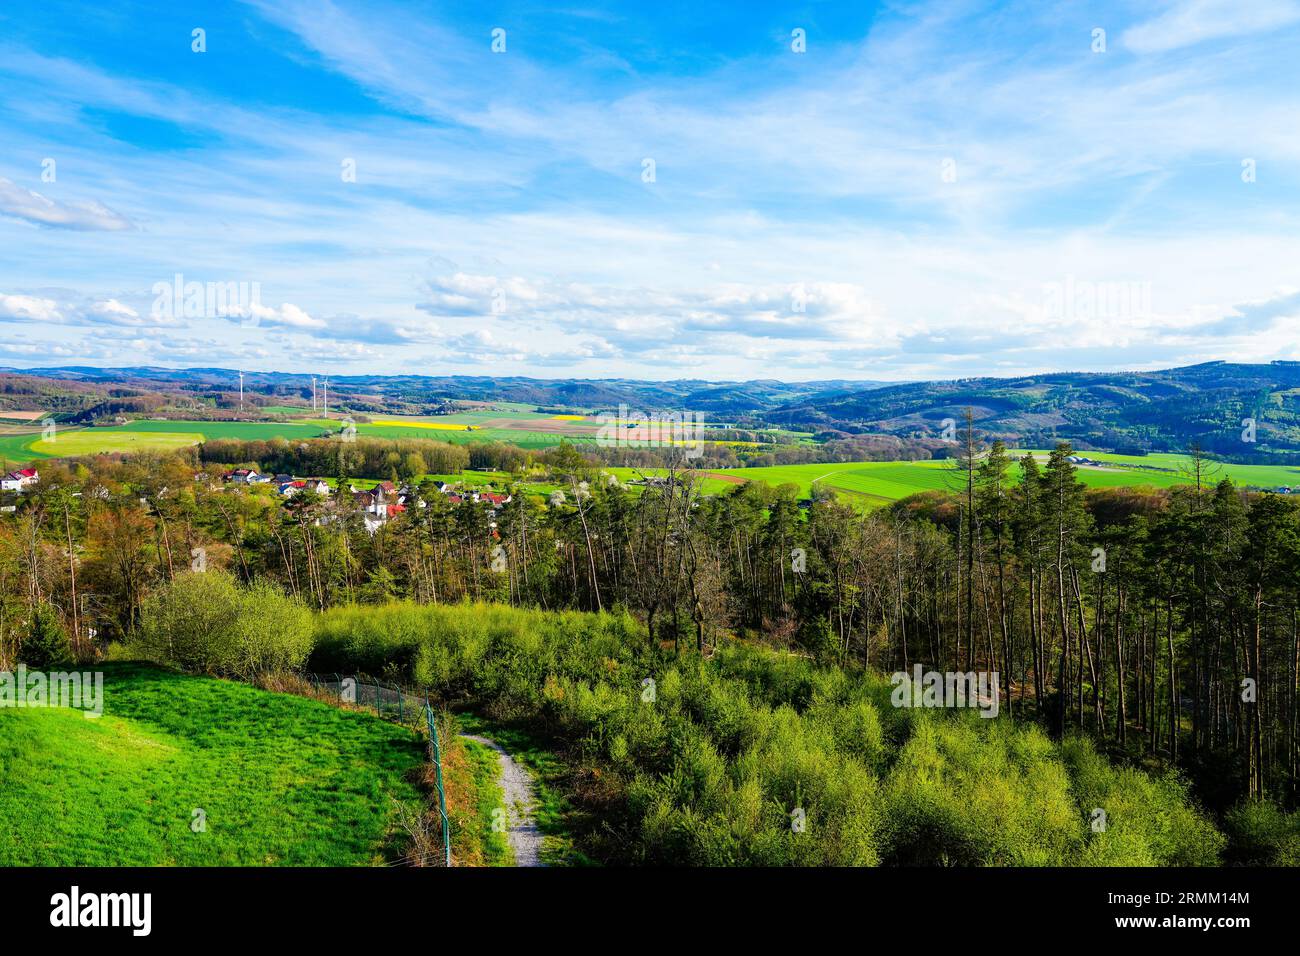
(249, 431)
(15, 447)
(22, 444)
(282, 780)
(1173, 467)
(98, 441)
(879, 482)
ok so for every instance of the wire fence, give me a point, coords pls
(396, 703)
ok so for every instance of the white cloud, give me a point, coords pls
(67, 308)
(26, 308)
(288, 315)
(34, 208)
(1193, 21)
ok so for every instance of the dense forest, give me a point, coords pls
(1164, 626)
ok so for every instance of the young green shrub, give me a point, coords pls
(1263, 834)
(971, 792)
(206, 622)
(1144, 820)
(45, 645)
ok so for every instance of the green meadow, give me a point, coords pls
(873, 483)
(1174, 467)
(277, 779)
(98, 441)
(890, 481)
(515, 436)
(15, 449)
(248, 431)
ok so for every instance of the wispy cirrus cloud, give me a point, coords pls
(1187, 22)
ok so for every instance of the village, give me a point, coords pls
(376, 504)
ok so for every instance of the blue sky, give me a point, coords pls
(925, 191)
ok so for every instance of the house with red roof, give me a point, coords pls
(19, 480)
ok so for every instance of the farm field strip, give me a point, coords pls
(27, 417)
(1172, 466)
(248, 431)
(428, 426)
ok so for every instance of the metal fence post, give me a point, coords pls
(435, 748)
(442, 793)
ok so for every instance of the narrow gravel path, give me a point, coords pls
(517, 785)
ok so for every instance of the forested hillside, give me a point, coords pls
(751, 757)
(1159, 624)
(1124, 411)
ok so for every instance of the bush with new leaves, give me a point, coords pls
(206, 622)
(760, 758)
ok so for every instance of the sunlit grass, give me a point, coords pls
(279, 780)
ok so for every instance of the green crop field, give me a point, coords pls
(96, 441)
(248, 431)
(1173, 468)
(280, 780)
(25, 446)
(515, 436)
(15, 448)
(880, 482)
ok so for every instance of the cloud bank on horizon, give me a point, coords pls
(739, 190)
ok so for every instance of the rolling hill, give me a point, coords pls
(1123, 412)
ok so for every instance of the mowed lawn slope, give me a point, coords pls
(281, 780)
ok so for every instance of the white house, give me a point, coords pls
(245, 476)
(18, 480)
